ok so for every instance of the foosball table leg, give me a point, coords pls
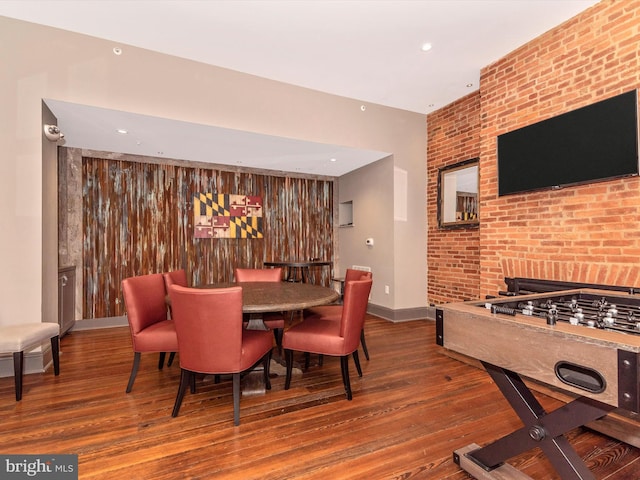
(541, 429)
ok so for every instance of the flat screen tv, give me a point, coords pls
(593, 143)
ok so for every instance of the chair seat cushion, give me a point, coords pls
(255, 344)
(18, 338)
(315, 335)
(159, 337)
(273, 320)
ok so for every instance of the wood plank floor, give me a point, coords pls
(411, 409)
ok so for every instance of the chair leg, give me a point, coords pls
(344, 364)
(134, 370)
(364, 344)
(17, 372)
(266, 362)
(55, 353)
(236, 399)
(161, 361)
(356, 360)
(185, 379)
(172, 355)
(277, 333)
(307, 356)
(288, 356)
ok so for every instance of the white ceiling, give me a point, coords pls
(369, 50)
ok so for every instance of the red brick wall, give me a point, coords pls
(588, 233)
(453, 261)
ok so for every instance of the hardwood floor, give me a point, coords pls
(411, 409)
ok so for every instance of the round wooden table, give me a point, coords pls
(261, 297)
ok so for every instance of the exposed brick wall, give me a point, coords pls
(453, 135)
(588, 233)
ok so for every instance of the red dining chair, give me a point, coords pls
(213, 341)
(273, 320)
(175, 277)
(151, 330)
(333, 312)
(315, 335)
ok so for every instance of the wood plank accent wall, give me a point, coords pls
(138, 219)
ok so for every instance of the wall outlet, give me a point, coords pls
(386, 289)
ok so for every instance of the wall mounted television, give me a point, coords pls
(593, 143)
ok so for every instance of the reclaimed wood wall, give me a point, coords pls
(138, 219)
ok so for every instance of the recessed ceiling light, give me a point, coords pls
(122, 131)
(469, 85)
(333, 160)
(426, 47)
(117, 50)
(363, 107)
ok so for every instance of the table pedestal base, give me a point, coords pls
(253, 382)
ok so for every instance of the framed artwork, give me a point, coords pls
(227, 216)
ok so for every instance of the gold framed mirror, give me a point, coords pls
(458, 195)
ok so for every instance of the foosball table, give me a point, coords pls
(585, 342)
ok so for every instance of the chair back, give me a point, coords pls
(145, 303)
(209, 326)
(354, 309)
(177, 277)
(258, 274)
(353, 274)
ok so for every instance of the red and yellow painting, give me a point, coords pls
(227, 216)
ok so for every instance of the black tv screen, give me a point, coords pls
(596, 142)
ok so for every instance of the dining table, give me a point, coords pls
(263, 297)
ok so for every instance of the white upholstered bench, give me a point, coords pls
(17, 339)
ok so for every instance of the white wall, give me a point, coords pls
(40, 62)
(370, 189)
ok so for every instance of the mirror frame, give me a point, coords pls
(458, 223)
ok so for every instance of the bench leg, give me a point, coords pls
(55, 353)
(17, 373)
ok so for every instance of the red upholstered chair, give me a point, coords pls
(273, 320)
(333, 312)
(315, 335)
(212, 339)
(151, 330)
(176, 277)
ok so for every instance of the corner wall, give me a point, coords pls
(453, 135)
(585, 233)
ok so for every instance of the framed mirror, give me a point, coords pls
(458, 195)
